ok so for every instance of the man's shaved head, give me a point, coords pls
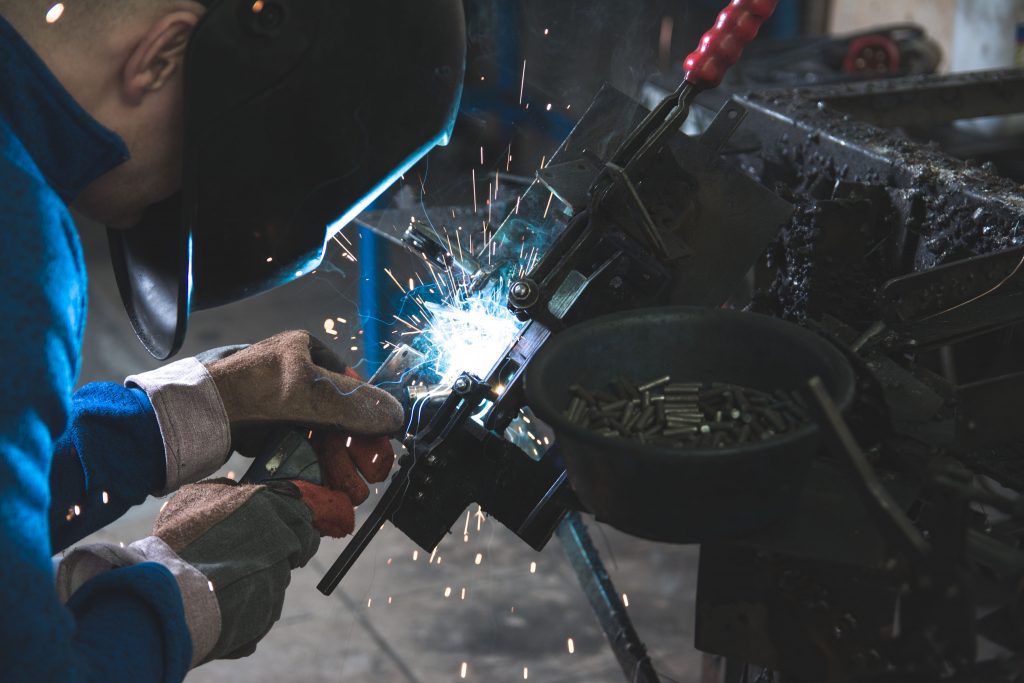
(53, 20)
(122, 61)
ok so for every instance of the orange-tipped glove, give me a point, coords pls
(234, 397)
(231, 547)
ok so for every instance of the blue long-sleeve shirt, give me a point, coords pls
(99, 450)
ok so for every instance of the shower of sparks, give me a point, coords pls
(467, 331)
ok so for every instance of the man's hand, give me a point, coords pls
(234, 397)
(231, 547)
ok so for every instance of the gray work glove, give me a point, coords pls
(232, 397)
(231, 548)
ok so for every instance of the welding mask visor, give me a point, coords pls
(298, 114)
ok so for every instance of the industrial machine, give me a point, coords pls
(817, 207)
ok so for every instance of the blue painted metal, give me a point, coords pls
(372, 299)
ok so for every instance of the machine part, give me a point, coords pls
(423, 238)
(275, 161)
(618, 628)
(839, 439)
(988, 412)
(696, 494)
(957, 299)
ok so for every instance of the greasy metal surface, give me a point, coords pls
(932, 209)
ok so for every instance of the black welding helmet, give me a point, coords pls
(298, 114)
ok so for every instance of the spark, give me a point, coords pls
(54, 13)
(369, 601)
(522, 88)
(464, 670)
(389, 599)
(481, 155)
(415, 555)
(210, 584)
(526, 673)
(475, 207)
(548, 207)
(106, 498)
(533, 567)
(348, 254)
(329, 328)
(397, 283)
(478, 559)
(231, 475)
(447, 591)
(571, 645)
(625, 600)
(77, 510)
(462, 596)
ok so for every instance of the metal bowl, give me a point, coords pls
(674, 494)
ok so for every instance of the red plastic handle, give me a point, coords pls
(722, 46)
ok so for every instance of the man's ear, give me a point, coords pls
(158, 55)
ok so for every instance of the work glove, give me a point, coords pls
(234, 397)
(231, 548)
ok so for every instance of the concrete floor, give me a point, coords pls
(394, 618)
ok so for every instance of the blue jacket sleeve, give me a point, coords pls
(109, 458)
(121, 623)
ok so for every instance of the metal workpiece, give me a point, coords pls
(872, 204)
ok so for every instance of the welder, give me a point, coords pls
(223, 143)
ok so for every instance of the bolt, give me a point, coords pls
(520, 290)
(462, 385)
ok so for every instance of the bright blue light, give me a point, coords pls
(379, 189)
(188, 276)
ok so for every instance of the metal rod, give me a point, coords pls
(626, 645)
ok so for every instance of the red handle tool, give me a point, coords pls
(721, 47)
